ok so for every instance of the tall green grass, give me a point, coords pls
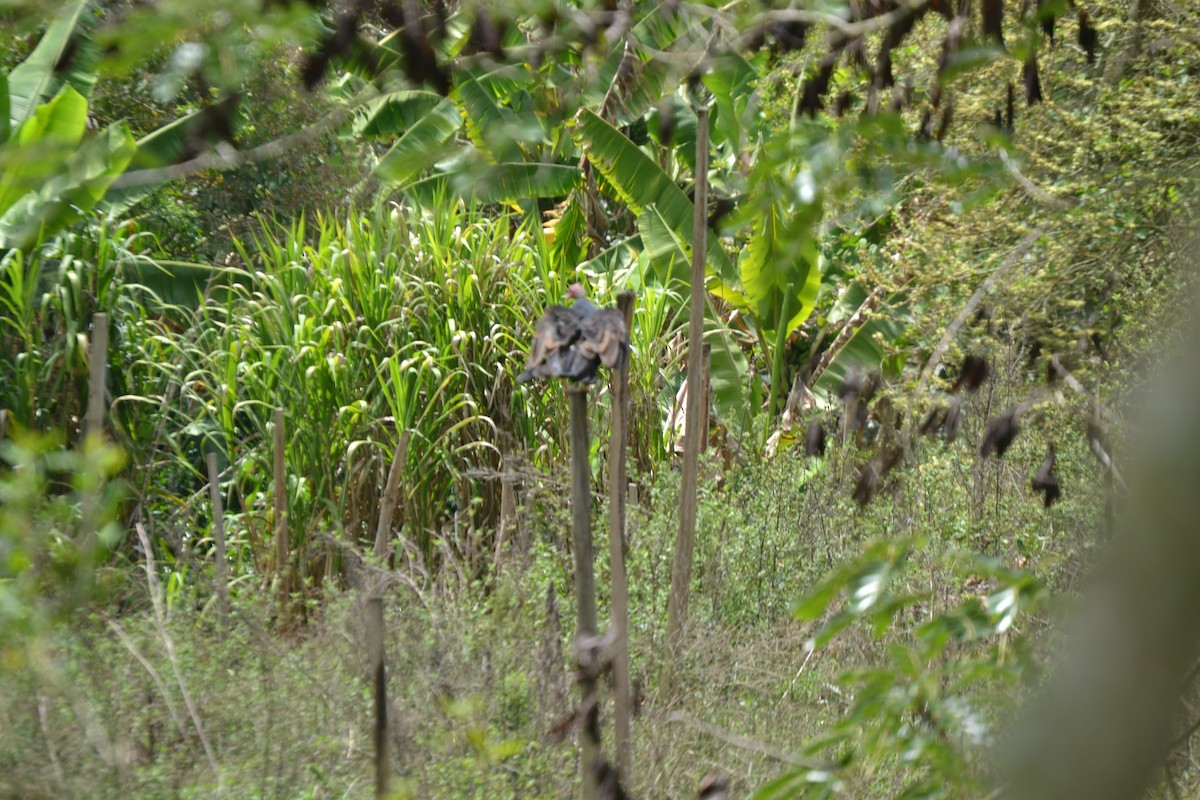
(362, 328)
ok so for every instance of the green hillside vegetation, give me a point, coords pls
(351, 222)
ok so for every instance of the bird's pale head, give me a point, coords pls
(576, 292)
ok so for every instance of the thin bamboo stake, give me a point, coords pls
(281, 527)
(681, 572)
(379, 676)
(617, 446)
(391, 496)
(706, 383)
(585, 579)
(214, 496)
(97, 376)
(93, 434)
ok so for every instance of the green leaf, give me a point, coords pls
(778, 262)
(731, 81)
(520, 181)
(396, 112)
(491, 127)
(640, 183)
(41, 145)
(668, 256)
(79, 186)
(5, 122)
(34, 80)
(421, 145)
(566, 248)
(864, 350)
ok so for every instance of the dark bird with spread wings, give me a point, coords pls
(572, 342)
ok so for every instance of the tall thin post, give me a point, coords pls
(391, 496)
(681, 572)
(281, 527)
(218, 525)
(705, 382)
(617, 445)
(585, 579)
(97, 376)
(379, 678)
(93, 434)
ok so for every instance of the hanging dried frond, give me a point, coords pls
(999, 434)
(993, 20)
(1088, 36)
(1033, 84)
(1046, 482)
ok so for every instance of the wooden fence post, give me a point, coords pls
(705, 382)
(379, 677)
(282, 573)
(218, 526)
(585, 579)
(681, 571)
(93, 434)
(616, 545)
(97, 377)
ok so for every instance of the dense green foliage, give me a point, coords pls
(278, 207)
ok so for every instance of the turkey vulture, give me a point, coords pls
(573, 342)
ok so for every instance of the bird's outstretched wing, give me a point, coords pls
(603, 336)
(573, 343)
(550, 353)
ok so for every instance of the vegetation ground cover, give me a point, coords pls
(833, 646)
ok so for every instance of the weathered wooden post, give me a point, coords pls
(585, 579)
(93, 434)
(218, 526)
(281, 527)
(379, 678)
(617, 446)
(706, 383)
(681, 571)
(97, 377)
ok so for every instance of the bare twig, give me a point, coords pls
(744, 742)
(153, 673)
(1013, 257)
(44, 723)
(1035, 191)
(160, 623)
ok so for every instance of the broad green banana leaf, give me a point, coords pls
(41, 145)
(420, 146)
(494, 128)
(640, 183)
(396, 112)
(156, 149)
(36, 79)
(84, 178)
(508, 183)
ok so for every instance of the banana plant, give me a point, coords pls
(53, 173)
